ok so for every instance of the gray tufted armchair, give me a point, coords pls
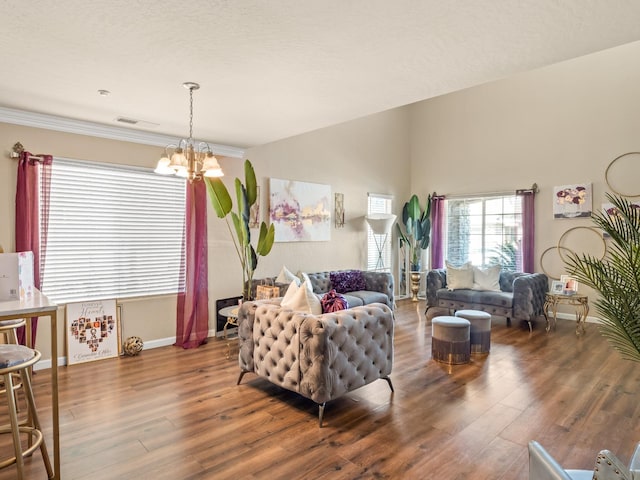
(321, 357)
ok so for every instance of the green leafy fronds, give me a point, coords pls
(246, 196)
(417, 227)
(266, 239)
(219, 195)
(616, 277)
(250, 183)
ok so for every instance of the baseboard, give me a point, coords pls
(160, 342)
(572, 316)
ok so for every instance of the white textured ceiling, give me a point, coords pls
(270, 69)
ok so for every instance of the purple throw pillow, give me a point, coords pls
(332, 301)
(347, 281)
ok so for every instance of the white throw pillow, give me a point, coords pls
(285, 276)
(487, 278)
(301, 299)
(303, 277)
(459, 277)
(293, 287)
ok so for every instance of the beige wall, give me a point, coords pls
(367, 155)
(555, 126)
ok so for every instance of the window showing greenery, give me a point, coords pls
(485, 231)
(114, 232)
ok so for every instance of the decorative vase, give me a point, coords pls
(415, 285)
(571, 210)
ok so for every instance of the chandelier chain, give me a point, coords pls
(186, 159)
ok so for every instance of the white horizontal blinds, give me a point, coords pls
(378, 204)
(114, 232)
(485, 231)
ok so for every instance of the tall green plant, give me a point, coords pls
(246, 196)
(417, 229)
(616, 277)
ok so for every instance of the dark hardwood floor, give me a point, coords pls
(178, 414)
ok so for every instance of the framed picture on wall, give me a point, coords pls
(572, 201)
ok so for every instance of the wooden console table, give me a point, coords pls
(38, 305)
(580, 303)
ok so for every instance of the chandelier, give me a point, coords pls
(186, 159)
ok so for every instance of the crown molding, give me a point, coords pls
(81, 127)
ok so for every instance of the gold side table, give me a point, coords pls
(580, 303)
(231, 313)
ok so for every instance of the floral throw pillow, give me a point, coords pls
(347, 281)
(332, 301)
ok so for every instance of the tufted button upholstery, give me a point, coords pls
(521, 297)
(319, 356)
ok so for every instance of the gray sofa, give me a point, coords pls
(379, 287)
(521, 295)
(320, 357)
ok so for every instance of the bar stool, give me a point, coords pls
(9, 328)
(18, 358)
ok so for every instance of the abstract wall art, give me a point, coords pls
(300, 211)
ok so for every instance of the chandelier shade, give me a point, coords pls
(188, 159)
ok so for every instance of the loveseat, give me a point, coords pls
(378, 287)
(521, 295)
(320, 357)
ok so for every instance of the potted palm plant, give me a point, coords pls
(416, 233)
(414, 237)
(246, 196)
(616, 277)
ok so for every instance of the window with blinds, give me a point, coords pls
(485, 231)
(114, 232)
(378, 204)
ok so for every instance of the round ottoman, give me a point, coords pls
(480, 329)
(450, 340)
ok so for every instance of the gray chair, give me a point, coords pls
(542, 466)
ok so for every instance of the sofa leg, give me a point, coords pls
(242, 372)
(530, 328)
(508, 322)
(320, 414)
(390, 384)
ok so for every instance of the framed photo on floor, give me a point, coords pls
(92, 331)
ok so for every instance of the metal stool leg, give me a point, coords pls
(15, 427)
(35, 422)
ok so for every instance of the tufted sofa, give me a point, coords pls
(521, 295)
(321, 357)
(379, 287)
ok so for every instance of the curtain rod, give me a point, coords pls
(18, 149)
(533, 189)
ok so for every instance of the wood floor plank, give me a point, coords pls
(178, 414)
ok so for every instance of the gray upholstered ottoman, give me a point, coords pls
(450, 340)
(480, 329)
